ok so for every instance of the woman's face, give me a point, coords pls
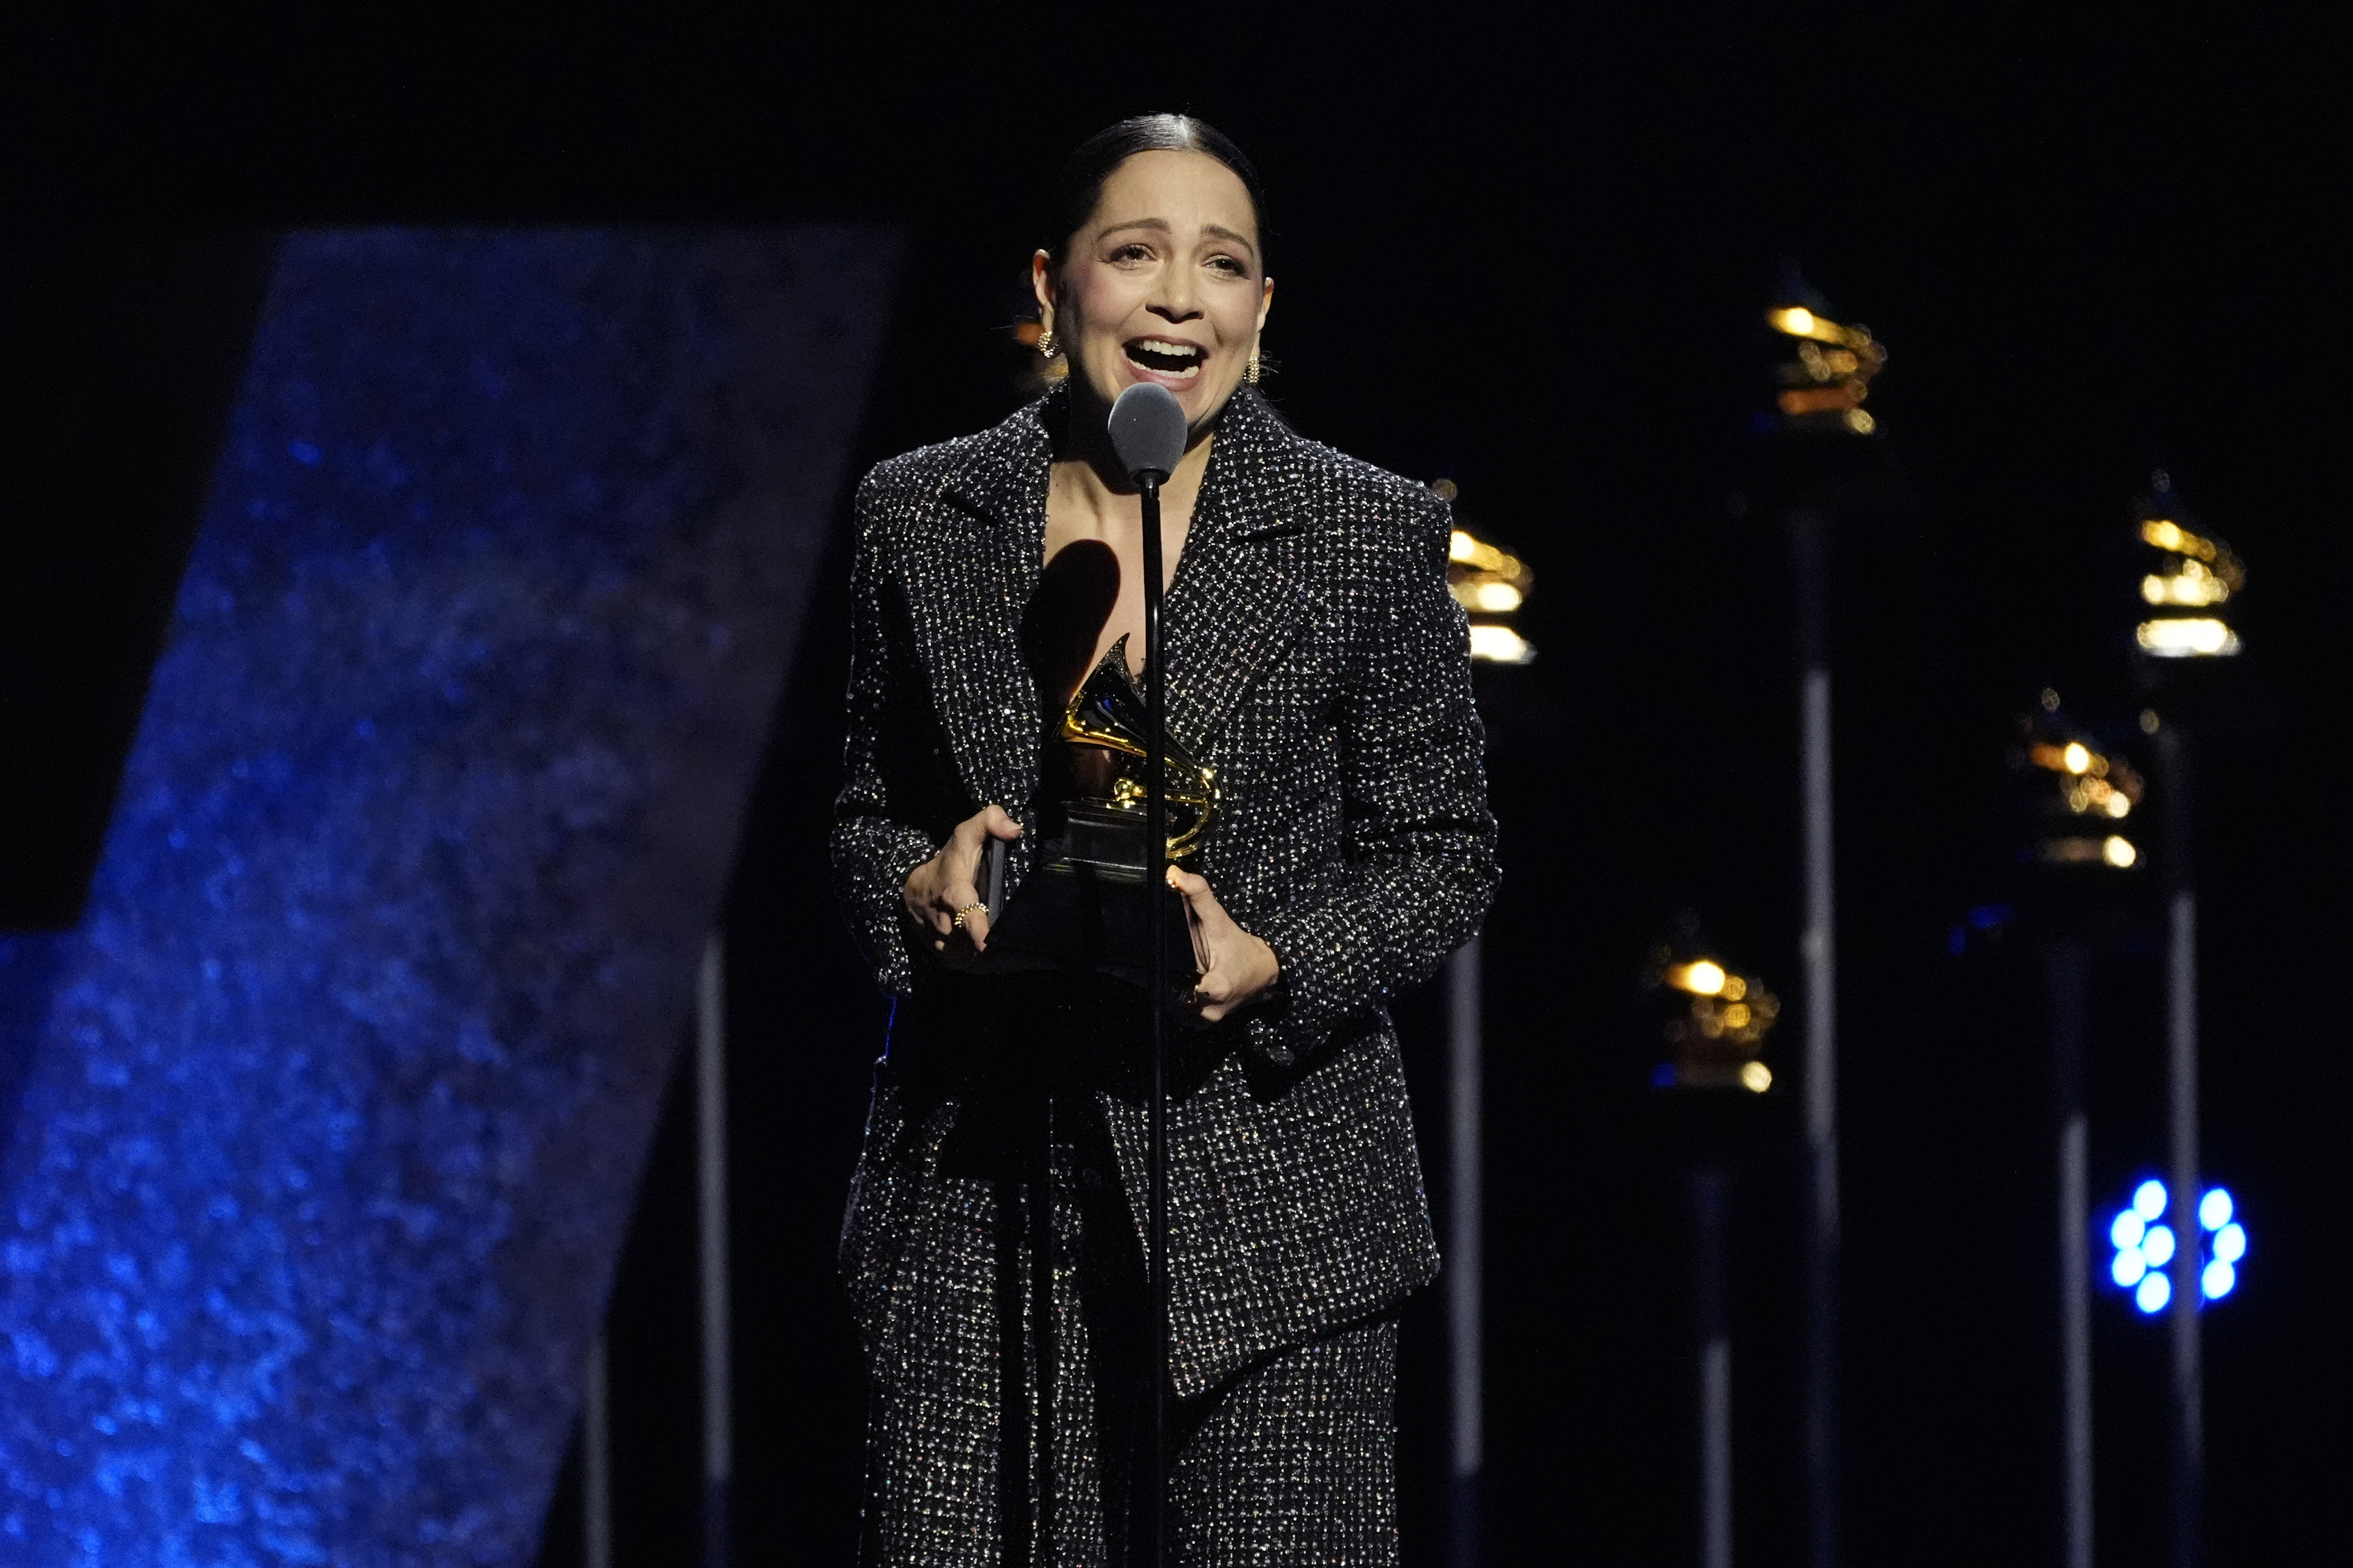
(1164, 283)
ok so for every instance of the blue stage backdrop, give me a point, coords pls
(332, 1110)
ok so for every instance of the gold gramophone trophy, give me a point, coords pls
(1084, 903)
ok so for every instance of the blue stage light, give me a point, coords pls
(2145, 1245)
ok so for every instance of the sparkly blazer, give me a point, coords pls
(1317, 661)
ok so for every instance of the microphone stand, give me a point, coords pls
(1155, 816)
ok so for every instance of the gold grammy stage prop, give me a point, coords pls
(1084, 903)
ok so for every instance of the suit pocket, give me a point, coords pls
(1293, 1215)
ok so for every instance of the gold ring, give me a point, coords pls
(960, 914)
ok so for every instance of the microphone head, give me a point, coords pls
(1147, 430)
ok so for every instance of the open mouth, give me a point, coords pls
(1163, 357)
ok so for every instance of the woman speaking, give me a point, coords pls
(1316, 664)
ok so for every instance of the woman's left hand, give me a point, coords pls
(1239, 966)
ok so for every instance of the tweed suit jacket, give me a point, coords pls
(1317, 661)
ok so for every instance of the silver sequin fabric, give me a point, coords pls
(1317, 661)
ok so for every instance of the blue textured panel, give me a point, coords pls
(334, 1107)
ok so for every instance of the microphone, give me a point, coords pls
(1147, 432)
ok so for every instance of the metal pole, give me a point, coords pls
(2065, 970)
(1711, 1196)
(2182, 1177)
(1818, 951)
(2188, 1371)
(1465, 1219)
(717, 1346)
(1156, 806)
(596, 1463)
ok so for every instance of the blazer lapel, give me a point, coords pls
(980, 554)
(1238, 599)
(1236, 606)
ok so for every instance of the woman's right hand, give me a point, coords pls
(948, 885)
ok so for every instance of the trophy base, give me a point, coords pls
(1107, 838)
(1080, 913)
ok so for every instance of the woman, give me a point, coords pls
(1317, 662)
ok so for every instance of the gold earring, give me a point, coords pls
(1046, 343)
(1250, 375)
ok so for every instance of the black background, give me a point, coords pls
(1529, 255)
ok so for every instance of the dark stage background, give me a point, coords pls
(1531, 257)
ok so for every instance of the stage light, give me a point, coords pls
(2187, 636)
(1496, 598)
(2090, 783)
(1462, 550)
(2166, 534)
(1853, 348)
(1703, 978)
(2220, 1275)
(1824, 388)
(2145, 1245)
(2076, 851)
(2194, 572)
(2193, 584)
(1718, 1025)
(1500, 645)
(1490, 583)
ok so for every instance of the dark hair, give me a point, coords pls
(1080, 190)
